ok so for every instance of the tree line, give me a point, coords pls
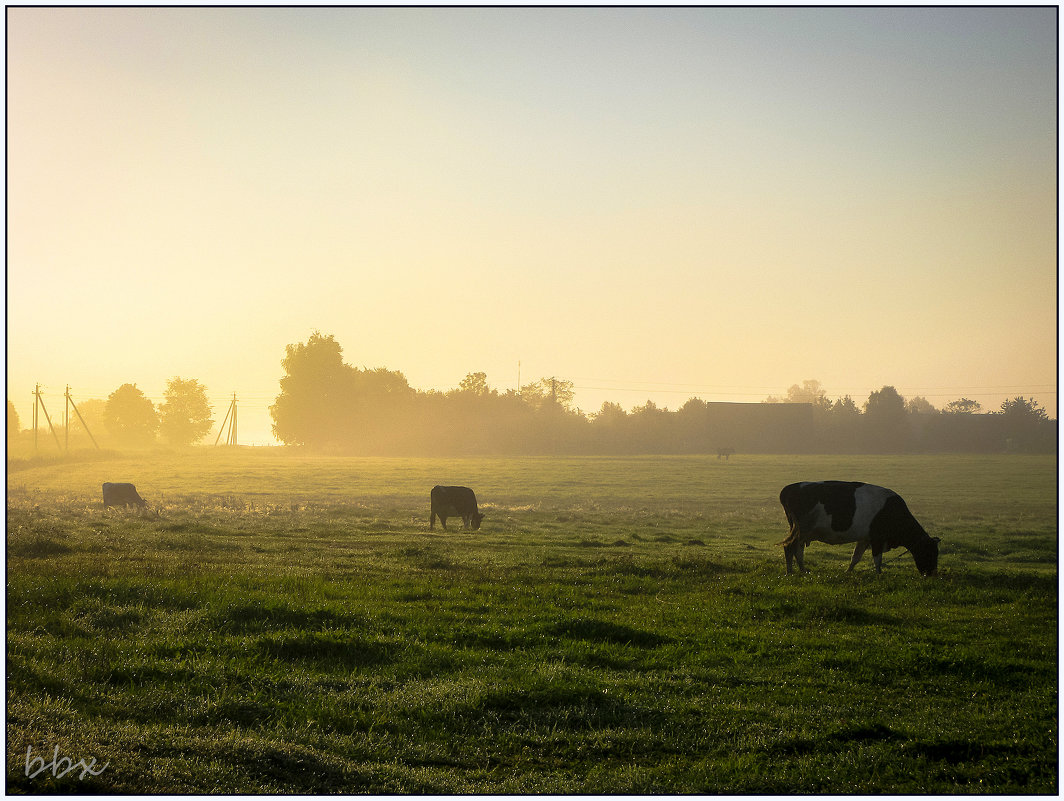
(327, 406)
(129, 419)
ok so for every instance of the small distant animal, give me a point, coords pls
(454, 502)
(724, 453)
(122, 494)
(839, 512)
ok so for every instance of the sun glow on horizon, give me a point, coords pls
(666, 199)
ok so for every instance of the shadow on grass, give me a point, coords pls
(605, 631)
(337, 650)
(256, 617)
(38, 548)
(564, 706)
(836, 741)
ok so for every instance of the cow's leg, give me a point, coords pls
(877, 557)
(858, 552)
(432, 520)
(795, 551)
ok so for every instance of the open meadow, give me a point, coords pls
(289, 624)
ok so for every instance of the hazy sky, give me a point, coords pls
(652, 203)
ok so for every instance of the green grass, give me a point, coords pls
(619, 625)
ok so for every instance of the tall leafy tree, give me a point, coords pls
(612, 414)
(962, 406)
(840, 425)
(920, 405)
(12, 420)
(1023, 409)
(185, 414)
(475, 384)
(1025, 424)
(549, 393)
(810, 391)
(885, 420)
(379, 408)
(315, 393)
(885, 404)
(130, 417)
(328, 404)
(845, 408)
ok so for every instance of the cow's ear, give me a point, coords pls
(936, 539)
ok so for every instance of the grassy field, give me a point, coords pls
(619, 625)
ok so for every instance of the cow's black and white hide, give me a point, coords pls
(839, 512)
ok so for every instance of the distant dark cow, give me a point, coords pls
(454, 502)
(122, 495)
(839, 512)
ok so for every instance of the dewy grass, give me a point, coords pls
(291, 625)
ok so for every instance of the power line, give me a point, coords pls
(265, 399)
(733, 389)
(89, 394)
(749, 394)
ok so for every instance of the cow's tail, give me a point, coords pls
(794, 535)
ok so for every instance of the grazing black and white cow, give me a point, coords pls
(454, 502)
(839, 512)
(121, 494)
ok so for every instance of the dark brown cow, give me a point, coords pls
(454, 502)
(122, 494)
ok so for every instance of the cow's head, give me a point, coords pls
(474, 520)
(926, 556)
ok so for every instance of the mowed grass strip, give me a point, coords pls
(616, 639)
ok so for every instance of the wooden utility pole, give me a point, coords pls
(230, 417)
(40, 402)
(232, 427)
(70, 402)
